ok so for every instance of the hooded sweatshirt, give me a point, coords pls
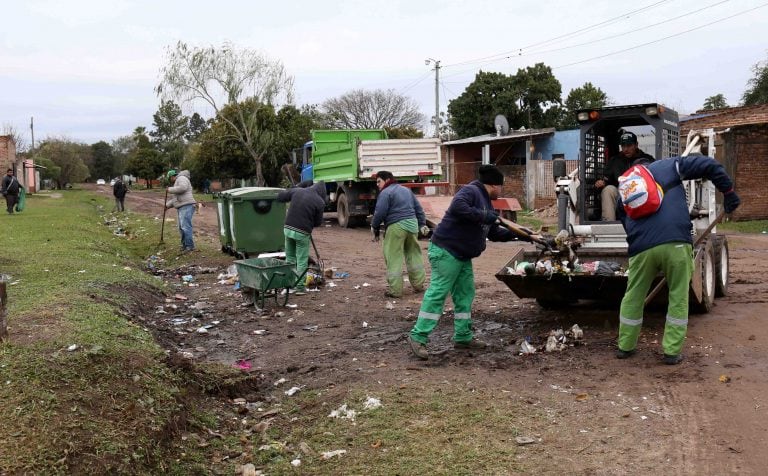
(181, 191)
(307, 206)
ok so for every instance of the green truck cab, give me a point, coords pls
(347, 161)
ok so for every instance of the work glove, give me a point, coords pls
(731, 201)
(490, 217)
(424, 230)
(375, 232)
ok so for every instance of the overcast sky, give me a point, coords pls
(86, 70)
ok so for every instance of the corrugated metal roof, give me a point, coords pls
(511, 136)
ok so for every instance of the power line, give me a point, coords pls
(661, 39)
(573, 33)
(415, 83)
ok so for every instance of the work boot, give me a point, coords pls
(673, 359)
(625, 354)
(392, 295)
(418, 349)
(474, 344)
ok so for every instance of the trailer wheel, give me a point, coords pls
(721, 266)
(342, 210)
(704, 305)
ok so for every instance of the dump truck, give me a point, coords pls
(534, 274)
(347, 161)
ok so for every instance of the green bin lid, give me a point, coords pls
(248, 193)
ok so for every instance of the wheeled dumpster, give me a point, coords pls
(256, 221)
(222, 214)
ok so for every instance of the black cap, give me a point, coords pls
(627, 138)
(490, 175)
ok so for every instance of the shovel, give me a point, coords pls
(696, 243)
(525, 232)
(162, 225)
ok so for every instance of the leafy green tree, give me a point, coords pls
(537, 91)
(70, 157)
(226, 77)
(757, 86)
(377, 109)
(490, 94)
(103, 164)
(51, 170)
(404, 133)
(171, 128)
(584, 97)
(122, 148)
(197, 125)
(717, 101)
(145, 162)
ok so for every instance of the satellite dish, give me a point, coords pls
(501, 125)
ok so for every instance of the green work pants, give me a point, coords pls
(449, 275)
(399, 243)
(675, 260)
(297, 252)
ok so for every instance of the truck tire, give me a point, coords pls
(342, 210)
(704, 305)
(722, 265)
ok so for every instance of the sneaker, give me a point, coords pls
(625, 354)
(673, 359)
(472, 344)
(418, 349)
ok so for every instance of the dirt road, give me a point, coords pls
(705, 416)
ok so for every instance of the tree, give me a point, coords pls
(197, 125)
(9, 129)
(103, 164)
(69, 156)
(537, 91)
(715, 102)
(757, 86)
(145, 161)
(490, 94)
(224, 77)
(171, 127)
(586, 96)
(122, 148)
(404, 133)
(361, 109)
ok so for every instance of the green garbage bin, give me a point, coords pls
(256, 221)
(222, 213)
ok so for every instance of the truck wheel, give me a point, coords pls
(704, 305)
(722, 265)
(342, 210)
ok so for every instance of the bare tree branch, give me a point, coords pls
(361, 109)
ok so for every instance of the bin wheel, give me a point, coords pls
(704, 305)
(239, 255)
(248, 295)
(342, 210)
(721, 266)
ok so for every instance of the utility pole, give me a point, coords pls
(437, 93)
(32, 129)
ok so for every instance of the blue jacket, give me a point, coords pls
(396, 203)
(462, 232)
(671, 223)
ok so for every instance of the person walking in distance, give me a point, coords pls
(662, 242)
(184, 203)
(10, 190)
(400, 212)
(459, 238)
(119, 190)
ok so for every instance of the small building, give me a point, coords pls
(524, 156)
(741, 145)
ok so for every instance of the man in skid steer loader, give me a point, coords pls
(662, 242)
(629, 155)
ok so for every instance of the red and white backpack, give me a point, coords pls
(640, 194)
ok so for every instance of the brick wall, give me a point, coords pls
(723, 118)
(747, 163)
(7, 153)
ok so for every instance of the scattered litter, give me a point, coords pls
(365, 285)
(202, 330)
(72, 348)
(331, 285)
(81, 271)
(279, 314)
(292, 391)
(357, 286)
(724, 378)
(389, 305)
(187, 278)
(340, 275)
(643, 417)
(344, 413)
(527, 348)
(331, 454)
(243, 364)
(279, 382)
(179, 297)
(296, 462)
(260, 332)
(311, 328)
(292, 306)
(524, 440)
(371, 403)
(365, 324)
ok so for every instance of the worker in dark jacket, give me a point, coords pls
(10, 190)
(305, 212)
(662, 242)
(119, 190)
(399, 210)
(459, 237)
(608, 185)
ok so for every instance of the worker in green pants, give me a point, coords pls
(661, 242)
(305, 212)
(459, 238)
(399, 210)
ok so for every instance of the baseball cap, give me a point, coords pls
(627, 138)
(171, 173)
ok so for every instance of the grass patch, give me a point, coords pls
(754, 226)
(107, 404)
(438, 429)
